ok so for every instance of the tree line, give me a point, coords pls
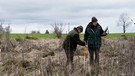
(124, 21)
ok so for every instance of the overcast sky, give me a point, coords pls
(27, 15)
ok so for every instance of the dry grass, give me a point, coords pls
(117, 58)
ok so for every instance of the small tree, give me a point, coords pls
(124, 21)
(33, 32)
(7, 33)
(7, 29)
(47, 32)
(38, 32)
(58, 29)
(2, 30)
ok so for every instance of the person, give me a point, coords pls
(92, 37)
(70, 44)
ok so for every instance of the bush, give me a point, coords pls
(25, 63)
(58, 29)
(31, 38)
(2, 30)
(48, 54)
(47, 32)
(9, 62)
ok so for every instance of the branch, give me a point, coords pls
(128, 24)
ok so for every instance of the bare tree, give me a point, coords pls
(58, 29)
(9, 44)
(7, 32)
(8, 29)
(2, 30)
(124, 21)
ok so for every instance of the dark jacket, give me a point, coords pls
(71, 41)
(93, 35)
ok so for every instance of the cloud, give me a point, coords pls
(75, 12)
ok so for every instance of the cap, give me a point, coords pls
(80, 27)
(94, 19)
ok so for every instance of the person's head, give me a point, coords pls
(94, 21)
(80, 29)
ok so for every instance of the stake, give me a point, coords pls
(84, 56)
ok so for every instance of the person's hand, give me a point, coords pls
(104, 33)
(85, 42)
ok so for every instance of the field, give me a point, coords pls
(45, 57)
(116, 35)
(111, 35)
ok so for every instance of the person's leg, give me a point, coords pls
(97, 56)
(67, 56)
(91, 51)
(71, 61)
(71, 56)
(69, 64)
(97, 60)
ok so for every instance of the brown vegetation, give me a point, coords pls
(45, 57)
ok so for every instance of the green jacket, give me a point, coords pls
(93, 35)
(71, 41)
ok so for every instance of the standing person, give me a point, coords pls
(70, 44)
(92, 37)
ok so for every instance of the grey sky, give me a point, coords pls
(40, 14)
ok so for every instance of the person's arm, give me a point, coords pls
(86, 34)
(78, 41)
(102, 32)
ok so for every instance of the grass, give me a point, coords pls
(117, 35)
(32, 35)
(112, 35)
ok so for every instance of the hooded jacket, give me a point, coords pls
(72, 39)
(93, 35)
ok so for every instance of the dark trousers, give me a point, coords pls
(69, 55)
(94, 59)
(69, 63)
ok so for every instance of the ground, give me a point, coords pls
(45, 57)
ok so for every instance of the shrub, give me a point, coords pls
(48, 54)
(25, 63)
(58, 29)
(9, 62)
